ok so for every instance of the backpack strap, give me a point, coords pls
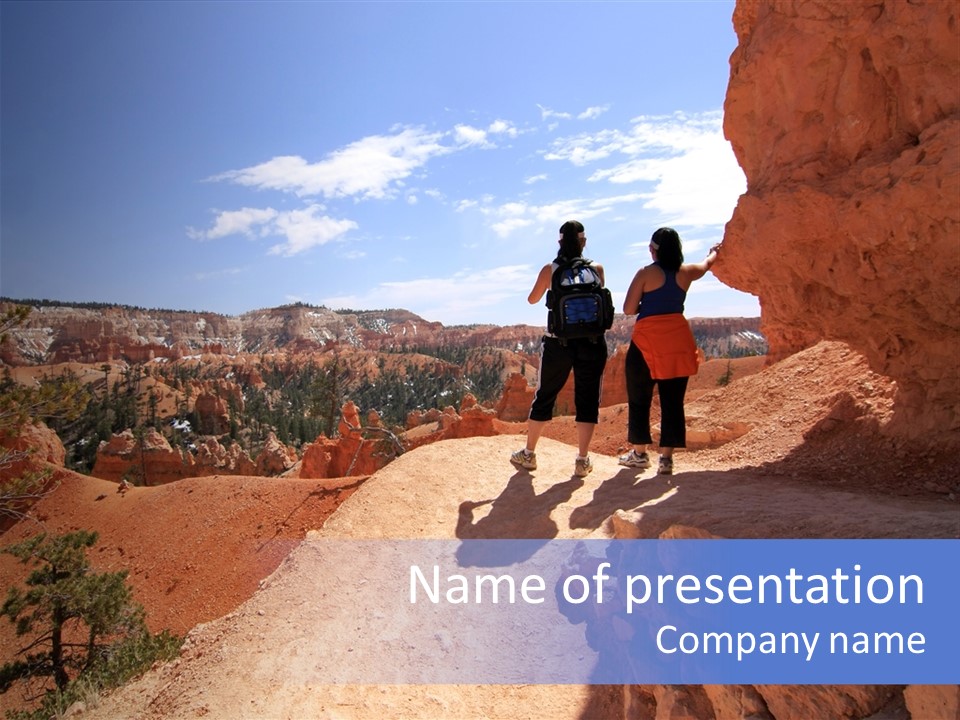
(562, 263)
(562, 260)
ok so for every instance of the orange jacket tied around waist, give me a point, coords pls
(667, 344)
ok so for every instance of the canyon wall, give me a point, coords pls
(62, 333)
(845, 117)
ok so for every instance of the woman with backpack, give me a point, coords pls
(574, 341)
(662, 350)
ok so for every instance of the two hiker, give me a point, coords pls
(662, 350)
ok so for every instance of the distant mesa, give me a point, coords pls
(93, 332)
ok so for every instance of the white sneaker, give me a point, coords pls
(525, 459)
(634, 459)
(582, 467)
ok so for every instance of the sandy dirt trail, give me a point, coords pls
(271, 657)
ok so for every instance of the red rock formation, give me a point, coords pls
(348, 454)
(615, 378)
(212, 458)
(79, 334)
(213, 406)
(514, 403)
(30, 446)
(474, 420)
(275, 458)
(116, 334)
(213, 416)
(362, 451)
(40, 441)
(416, 418)
(845, 118)
(27, 451)
(156, 463)
(932, 701)
(250, 376)
(148, 462)
(318, 458)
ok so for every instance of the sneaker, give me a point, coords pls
(525, 459)
(634, 459)
(666, 466)
(582, 467)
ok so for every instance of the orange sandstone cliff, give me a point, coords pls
(845, 117)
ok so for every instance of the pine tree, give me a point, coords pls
(20, 404)
(78, 622)
(63, 593)
(724, 379)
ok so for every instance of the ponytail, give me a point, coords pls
(666, 241)
(571, 233)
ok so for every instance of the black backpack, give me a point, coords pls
(579, 306)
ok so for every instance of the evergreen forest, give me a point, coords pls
(295, 401)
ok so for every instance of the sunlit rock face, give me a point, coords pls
(845, 117)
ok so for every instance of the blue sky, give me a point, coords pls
(231, 156)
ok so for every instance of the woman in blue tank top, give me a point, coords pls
(662, 351)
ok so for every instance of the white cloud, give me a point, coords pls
(513, 208)
(467, 135)
(695, 176)
(502, 127)
(658, 136)
(303, 229)
(367, 168)
(586, 148)
(546, 113)
(459, 298)
(593, 112)
(682, 167)
(507, 227)
(505, 219)
(235, 222)
(373, 167)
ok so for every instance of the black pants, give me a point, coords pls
(673, 423)
(587, 358)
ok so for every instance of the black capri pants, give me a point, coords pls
(586, 357)
(673, 424)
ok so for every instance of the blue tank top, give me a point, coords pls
(665, 300)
